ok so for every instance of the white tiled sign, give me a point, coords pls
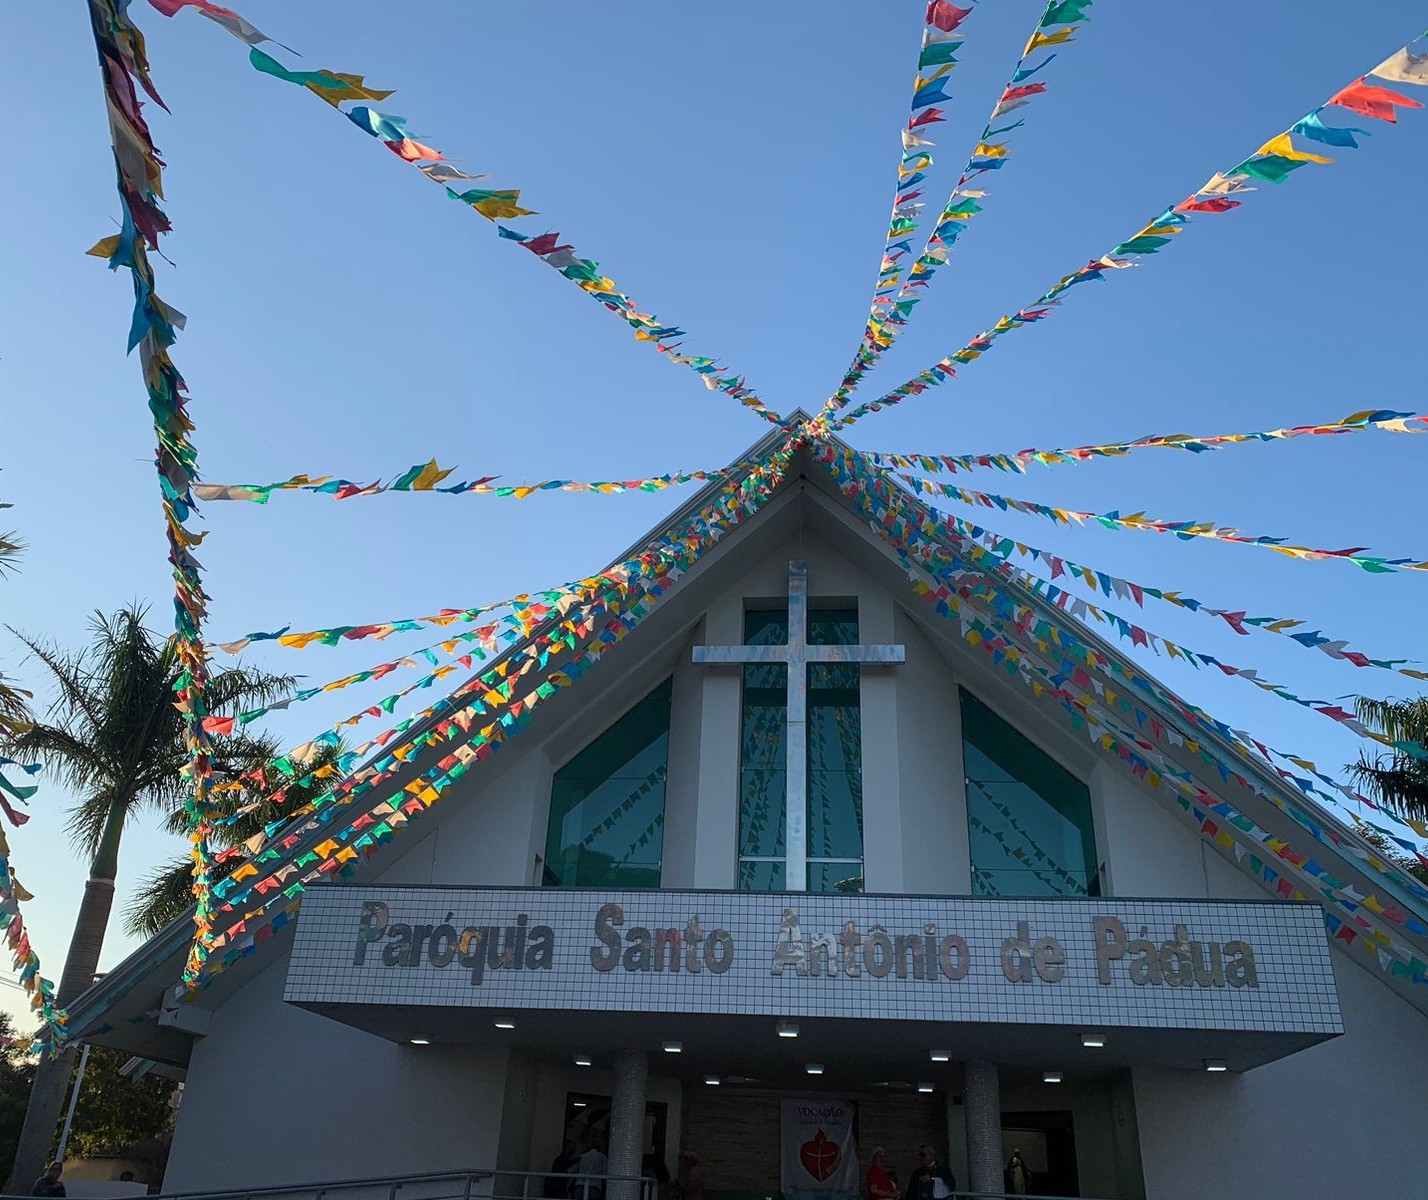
(1089, 962)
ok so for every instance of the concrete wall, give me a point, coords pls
(1338, 1120)
(277, 1095)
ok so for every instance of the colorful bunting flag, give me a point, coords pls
(1181, 529)
(1273, 163)
(893, 303)
(1385, 419)
(424, 477)
(336, 88)
(153, 330)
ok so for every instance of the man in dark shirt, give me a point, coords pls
(49, 1183)
(931, 1180)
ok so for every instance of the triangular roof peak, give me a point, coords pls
(1294, 847)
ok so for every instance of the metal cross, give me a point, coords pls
(796, 654)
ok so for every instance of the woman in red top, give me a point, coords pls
(882, 1183)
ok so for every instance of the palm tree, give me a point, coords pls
(166, 894)
(1400, 779)
(116, 740)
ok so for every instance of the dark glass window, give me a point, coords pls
(834, 757)
(607, 804)
(1030, 819)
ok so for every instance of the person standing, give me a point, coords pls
(689, 1183)
(557, 1187)
(931, 1180)
(881, 1182)
(49, 1183)
(1018, 1180)
(592, 1162)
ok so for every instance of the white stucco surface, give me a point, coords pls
(1331, 1122)
(276, 1095)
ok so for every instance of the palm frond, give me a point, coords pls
(1397, 720)
(11, 548)
(68, 672)
(161, 898)
(1398, 778)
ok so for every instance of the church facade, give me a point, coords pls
(811, 828)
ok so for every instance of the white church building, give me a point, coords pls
(827, 830)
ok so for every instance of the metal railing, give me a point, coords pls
(482, 1183)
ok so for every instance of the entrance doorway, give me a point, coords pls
(587, 1116)
(1046, 1143)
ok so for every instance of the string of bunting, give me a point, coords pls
(426, 477)
(1181, 529)
(1139, 636)
(1002, 546)
(892, 309)
(41, 991)
(942, 37)
(373, 828)
(18, 791)
(362, 836)
(337, 88)
(1009, 608)
(1017, 463)
(1273, 162)
(487, 637)
(493, 693)
(1073, 687)
(531, 613)
(536, 606)
(153, 330)
(906, 522)
(1196, 803)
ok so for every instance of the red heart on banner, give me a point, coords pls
(820, 1156)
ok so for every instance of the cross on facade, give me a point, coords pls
(796, 654)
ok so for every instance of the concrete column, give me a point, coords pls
(627, 1121)
(984, 1126)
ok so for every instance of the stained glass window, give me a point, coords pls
(1029, 818)
(834, 755)
(607, 804)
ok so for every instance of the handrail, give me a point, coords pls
(587, 1185)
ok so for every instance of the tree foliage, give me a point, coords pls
(1398, 780)
(166, 893)
(115, 1112)
(113, 734)
(17, 1072)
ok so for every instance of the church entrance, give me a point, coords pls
(1039, 1149)
(735, 1131)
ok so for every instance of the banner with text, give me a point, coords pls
(817, 1153)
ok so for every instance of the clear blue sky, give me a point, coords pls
(730, 166)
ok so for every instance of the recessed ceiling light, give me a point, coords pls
(582, 1060)
(672, 1047)
(1093, 1041)
(579, 1103)
(939, 1056)
(924, 1087)
(504, 1022)
(1216, 1064)
(1051, 1077)
(814, 1068)
(712, 1080)
(787, 1029)
(421, 1041)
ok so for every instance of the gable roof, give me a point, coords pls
(1256, 815)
